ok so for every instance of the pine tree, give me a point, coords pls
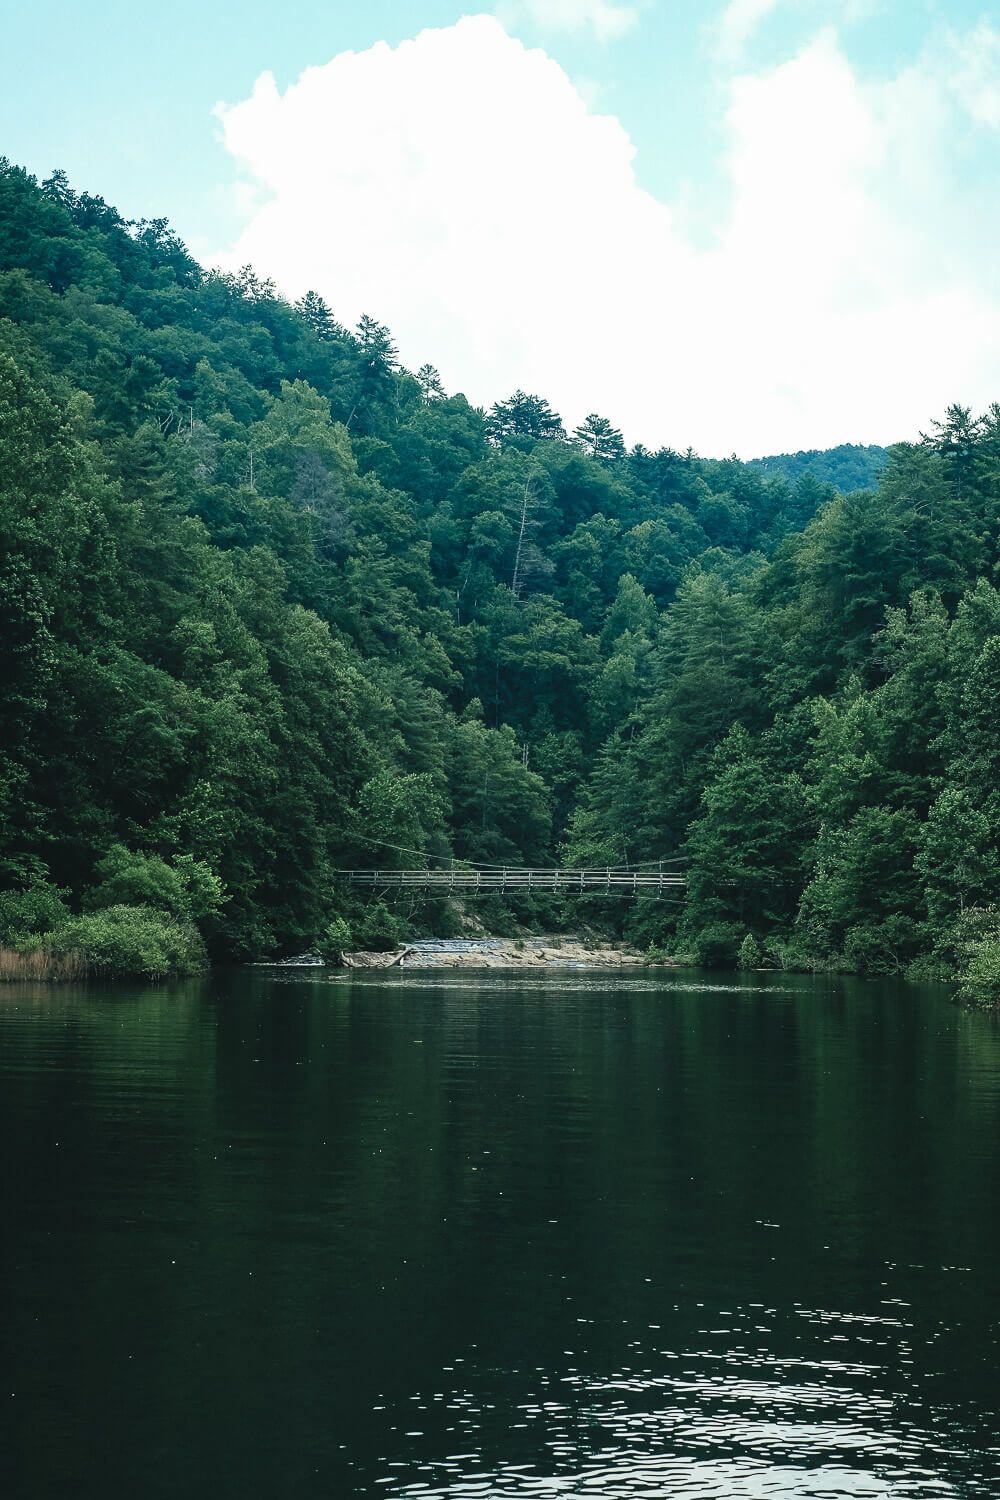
(600, 439)
(523, 416)
(318, 315)
(430, 383)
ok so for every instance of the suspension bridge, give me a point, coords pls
(658, 878)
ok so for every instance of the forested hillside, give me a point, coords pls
(273, 605)
(847, 467)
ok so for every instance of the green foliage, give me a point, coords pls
(979, 946)
(335, 941)
(396, 816)
(847, 468)
(750, 954)
(714, 946)
(525, 417)
(600, 439)
(124, 942)
(37, 909)
(747, 846)
(271, 607)
(377, 929)
(186, 887)
(958, 858)
(864, 896)
(501, 807)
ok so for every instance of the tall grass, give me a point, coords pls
(39, 965)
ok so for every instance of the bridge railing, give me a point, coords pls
(516, 879)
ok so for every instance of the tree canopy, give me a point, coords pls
(268, 598)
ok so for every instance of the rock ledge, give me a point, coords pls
(500, 953)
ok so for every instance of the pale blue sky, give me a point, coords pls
(121, 95)
(805, 253)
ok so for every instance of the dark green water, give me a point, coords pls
(585, 1235)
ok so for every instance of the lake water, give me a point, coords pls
(582, 1234)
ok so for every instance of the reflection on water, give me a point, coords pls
(529, 1235)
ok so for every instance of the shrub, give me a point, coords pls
(648, 924)
(979, 983)
(186, 887)
(498, 918)
(751, 954)
(335, 942)
(885, 947)
(715, 946)
(40, 908)
(934, 967)
(792, 958)
(655, 954)
(441, 917)
(130, 942)
(979, 946)
(377, 929)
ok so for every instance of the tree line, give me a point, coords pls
(273, 606)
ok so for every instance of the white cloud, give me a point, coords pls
(459, 188)
(607, 19)
(740, 20)
(738, 23)
(975, 73)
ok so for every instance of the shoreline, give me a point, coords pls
(539, 952)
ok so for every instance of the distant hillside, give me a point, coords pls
(849, 467)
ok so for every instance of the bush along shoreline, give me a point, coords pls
(141, 923)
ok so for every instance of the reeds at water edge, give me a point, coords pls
(35, 964)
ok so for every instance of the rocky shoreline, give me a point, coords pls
(550, 951)
(534, 952)
(501, 953)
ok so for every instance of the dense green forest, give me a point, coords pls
(847, 467)
(272, 605)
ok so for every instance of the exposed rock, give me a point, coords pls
(549, 952)
(374, 960)
(501, 953)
